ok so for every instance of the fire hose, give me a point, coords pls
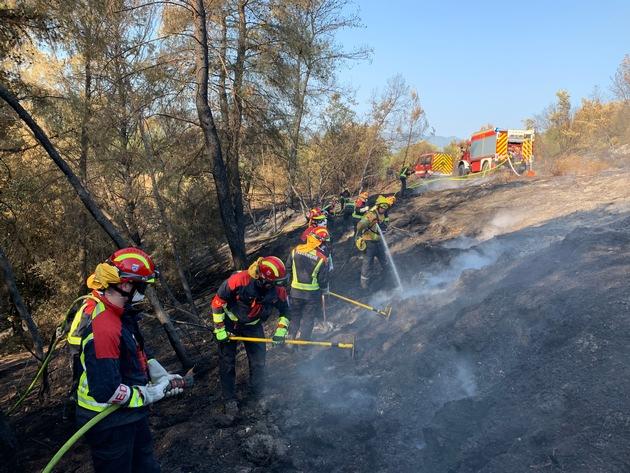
(188, 382)
(59, 331)
(426, 182)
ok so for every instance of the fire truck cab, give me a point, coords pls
(489, 148)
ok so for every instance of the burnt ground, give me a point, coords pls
(507, 351)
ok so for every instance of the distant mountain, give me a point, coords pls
(441, 141)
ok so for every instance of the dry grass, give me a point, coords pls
(575, 165)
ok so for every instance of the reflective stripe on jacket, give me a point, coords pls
(244, 300)
(82, 318)
(360, 207)
(112, 354)
(367, 227)
(308, 273)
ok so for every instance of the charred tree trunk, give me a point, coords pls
(18, 302)
(168, 229)
(212, 145)
(83, 158)
(105, 223)
(233, 159)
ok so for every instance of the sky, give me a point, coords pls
(479, 62)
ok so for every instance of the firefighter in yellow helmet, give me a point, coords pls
(368, 237)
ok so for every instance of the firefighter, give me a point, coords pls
(360, 208)
(347, 203)
(308, 269)
(404, 173)
(334, 208)
(316, 218)
(115, 368)
(368, 237)
(241, 305)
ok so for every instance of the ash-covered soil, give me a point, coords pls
(507, 351)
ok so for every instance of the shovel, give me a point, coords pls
(349, 346)
(387, 312)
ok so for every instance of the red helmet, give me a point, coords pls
(271, 269)
(322, 234)
(316, 214)
(133, 265)
(364, 195)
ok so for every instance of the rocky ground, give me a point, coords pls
(507, 350)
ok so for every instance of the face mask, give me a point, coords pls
(137, 296)
(138, 292)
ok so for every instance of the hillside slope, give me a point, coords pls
(507, 350)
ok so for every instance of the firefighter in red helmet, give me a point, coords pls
(115, 368)
(308, 266)
(241, 305)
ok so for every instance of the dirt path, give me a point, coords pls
(507, 351)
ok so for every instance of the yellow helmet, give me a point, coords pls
(392, 200)
(382, 200)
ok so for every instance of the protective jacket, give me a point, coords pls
(367, 227)
(112, 354)
(81, 320)
(405, 172)
(307, 231)
(308, 273)
(334, 208)
(360, 208)
(244, 300)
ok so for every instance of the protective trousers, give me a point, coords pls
(403, 186)
(303, 315)
(373, 249)
(125, 448)
(256, 355)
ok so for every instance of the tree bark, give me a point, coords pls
(96, 212)
(83, 158)
(212, 146)
(168, 229)
(18, 302)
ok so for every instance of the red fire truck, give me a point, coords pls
(429, 164)
(489, 148)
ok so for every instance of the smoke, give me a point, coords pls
(440, 184)
(465, 378)
(445, 278)
(503, 222)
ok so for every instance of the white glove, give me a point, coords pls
(154, 392)
(175, 385)
(156, 371)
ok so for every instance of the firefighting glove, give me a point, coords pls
(153, 392)
(175, 386)
(157, 372)
(281, 331)
(222, 335)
